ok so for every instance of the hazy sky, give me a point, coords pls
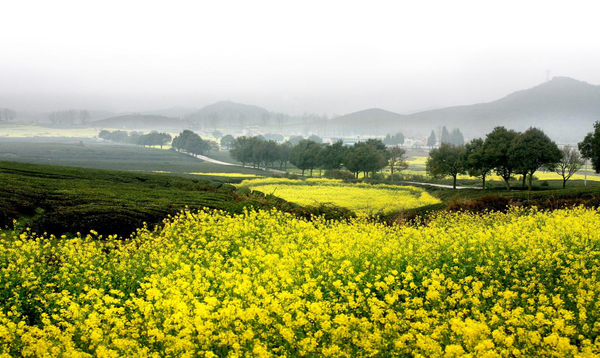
(323, 56)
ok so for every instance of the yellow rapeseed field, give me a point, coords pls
(360, 197)
(266, 283)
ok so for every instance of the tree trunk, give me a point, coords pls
(507, 183)
(392, 175)
(454, 184)
(530, 180)
(483, 176)
(564, 183)
(524, 178)
(302, 172)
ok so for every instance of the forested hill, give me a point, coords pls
(563, 107)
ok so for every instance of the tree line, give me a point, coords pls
(70, 117)
(7, 114)
(137, 138)
(505, 153)
(367, 157)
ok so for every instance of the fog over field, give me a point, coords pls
(335, 57)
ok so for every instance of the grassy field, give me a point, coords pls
(34, 130)
(65, 199)
(111, 156)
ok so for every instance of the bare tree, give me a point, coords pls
(214, 120)
(242, 120)
(280, 120)
(265, 119)
(84, 116)
(7, 114)
(570, 163)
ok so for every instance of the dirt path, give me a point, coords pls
(211, 160)
(439, 185)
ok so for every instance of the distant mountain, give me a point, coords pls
(173, 112)
(139, 122)
(229, 114)
(563, 107)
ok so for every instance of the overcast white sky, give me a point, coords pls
(323, 56)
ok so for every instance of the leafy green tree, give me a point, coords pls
(532, 150)
(191, 142)
(283, 155)
(456, 137)
(241, 150)
(396, 139)
(304, 155)
(446, 160)
(432, 140)
(590, 147)
(332, 156)
(445, 136)
(295, 139)
(396, 160)
(227, 140)
(274, 136)
(316, 139)
(367, 157)
(569, 163)
(478, 163)
(496, 148)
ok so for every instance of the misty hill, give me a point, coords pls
(139, 121)
(563, 107)
(173, 112)
(229, 114)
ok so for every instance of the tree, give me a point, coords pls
(162, 139)
(191, 142)
(214, 120)
(265, 118)
(496, 147)
(304, 155)
(397, 160)
(445, 136)
(285, 152)
(295, 139)
(532, 150)
(226, 141)
(241, 150)
(366, 157)
(397, 139)
(7, 114)
(84, 116)
(332, 156)
(456, 137)
(590, 147)
(478, 164)
(569, 163)
(446, 160)
(315, 138)
(274, 136)
(280, 120)
(431, 141)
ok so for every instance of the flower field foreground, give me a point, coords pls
(360, 197)
(266, 283)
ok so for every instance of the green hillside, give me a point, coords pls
(64, 199)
